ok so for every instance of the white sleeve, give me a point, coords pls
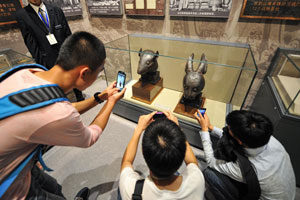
(217, 131)
(231, 169)
(127, 182)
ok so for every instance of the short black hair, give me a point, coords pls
(163, 147)
(81, 48)
(251, 128)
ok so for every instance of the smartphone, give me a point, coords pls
(202, 111)
(159, 115)
(121, 78)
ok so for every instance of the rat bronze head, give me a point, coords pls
(193, 81)
(147, 62)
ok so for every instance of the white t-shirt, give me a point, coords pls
(192, 186)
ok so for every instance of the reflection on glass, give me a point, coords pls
(10, 58)
(286, 79)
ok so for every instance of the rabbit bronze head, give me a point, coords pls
(193, 81)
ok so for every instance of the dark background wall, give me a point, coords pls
(264, 36)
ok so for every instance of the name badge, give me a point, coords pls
(51, 38)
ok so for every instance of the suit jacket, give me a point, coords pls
(34, 33)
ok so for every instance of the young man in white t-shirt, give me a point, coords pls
(164, 149)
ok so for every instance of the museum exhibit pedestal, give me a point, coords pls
(146, 92)
(187, 110)
(279, 99)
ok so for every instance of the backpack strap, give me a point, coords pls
(13, 175)
(138, 190)
(29, 99)
(22, 101)
(20, 67)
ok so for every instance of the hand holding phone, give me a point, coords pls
(121, 78)
(202, 111)
(159, 115)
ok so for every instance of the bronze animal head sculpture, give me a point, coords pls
(148, 65)
(193, 81)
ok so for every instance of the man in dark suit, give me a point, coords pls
(35, 31)
(44, 28)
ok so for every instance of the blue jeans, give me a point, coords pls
(222, 187)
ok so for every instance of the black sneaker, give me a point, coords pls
(83, 194)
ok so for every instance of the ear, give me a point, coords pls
(84, 72)
(189, 64)
(202, 67)
(156, 55)
(140, 52)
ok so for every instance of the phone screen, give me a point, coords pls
(121, 80)
(202, 111)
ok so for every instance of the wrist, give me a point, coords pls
(210, 127)
(138, 130)
(97, 98)
(204, 129)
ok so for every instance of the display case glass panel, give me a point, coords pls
(10, 58)
(286, 78)
(230, 72)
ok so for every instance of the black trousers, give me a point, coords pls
(43, 186)
(221, 187)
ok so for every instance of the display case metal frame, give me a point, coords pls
(132, 111)
(269, 101)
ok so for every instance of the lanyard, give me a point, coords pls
(45, 22)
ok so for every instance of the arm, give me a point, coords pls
(230, 169)
(189, 155)
(130, 152)
(87, 104)
(65, 24)
(102, 118)
(29, 39)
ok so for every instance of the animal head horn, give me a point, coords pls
(202, 67)
(189, 64)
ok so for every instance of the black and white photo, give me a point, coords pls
(200, 8)
(70, 7)
(104, 7)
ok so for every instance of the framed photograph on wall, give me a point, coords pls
(69, 7)
(145, 7)
(8, 9)
(271, 9)
(200, 8)
(105, 7)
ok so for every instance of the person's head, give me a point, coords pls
(163, 147)
(252, 129)
(35, 2)
(85, 52)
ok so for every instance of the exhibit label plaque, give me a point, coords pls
(8, 9)
(69, 7)
(200, 8)
(106, 7)
(145, 7)
(271, 9)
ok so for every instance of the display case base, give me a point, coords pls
(133, 111)
(188, 110)
(146, 92)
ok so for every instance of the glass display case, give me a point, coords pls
(10, 58)
(286, 78)
(230, 72)
(279, 99)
